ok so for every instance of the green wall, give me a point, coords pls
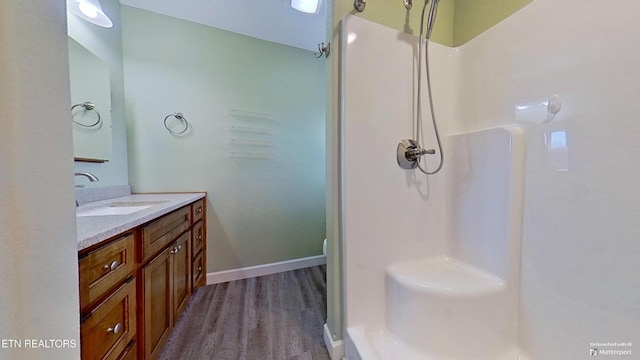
(392, 13)
(458, 21)
(473, 17)
(256, 145)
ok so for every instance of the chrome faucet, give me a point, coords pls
(89, 176)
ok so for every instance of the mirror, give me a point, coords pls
(91, 104)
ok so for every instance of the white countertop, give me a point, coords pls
(94, 229)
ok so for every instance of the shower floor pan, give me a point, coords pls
(384, 345)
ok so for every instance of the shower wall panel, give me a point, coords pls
(389, 214)
(580, 284)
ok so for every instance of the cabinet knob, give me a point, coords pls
(199, 269)
(199, 237)
(116, 329)
(110, 267)
(199, 210)
(176, 249)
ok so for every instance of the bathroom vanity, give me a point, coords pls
(139, 257)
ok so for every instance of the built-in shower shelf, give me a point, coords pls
(445, 276)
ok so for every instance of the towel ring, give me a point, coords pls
(180, 117)
(88, 106)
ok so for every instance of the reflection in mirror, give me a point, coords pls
(90, 104)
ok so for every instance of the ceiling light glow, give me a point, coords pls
(306, 6)
(90, 10)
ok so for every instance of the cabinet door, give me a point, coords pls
(158, 314)
(181, 262)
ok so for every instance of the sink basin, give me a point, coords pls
(146, 203)
(117, 208)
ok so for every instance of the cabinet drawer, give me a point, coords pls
(158, 234)
(104, 268)
(130, 352)
(110, 327)
(198, 270)
(197, 242)
(197, 210)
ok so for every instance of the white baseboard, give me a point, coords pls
(335, 348)
(266, 269)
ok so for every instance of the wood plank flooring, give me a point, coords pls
(273, 317)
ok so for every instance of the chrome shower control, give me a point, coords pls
(408, 153)
(408, 4)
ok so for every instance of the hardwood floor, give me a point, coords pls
(273, 317)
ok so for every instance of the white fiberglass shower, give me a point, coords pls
(425, 259)
(431, 263)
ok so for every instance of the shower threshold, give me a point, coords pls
(383, 345)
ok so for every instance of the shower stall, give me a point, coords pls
(431, 262)
(522, 246)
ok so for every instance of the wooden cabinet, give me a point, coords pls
(104, 268)
(111, 325)
(107, 298)
(160, 233)
(198, 276)
(130, 352)
(197, 210)
(198, 244)
(198, 253)
(166, 289)
(134, 287)
(181, 266)
(198, 238)
(157, 314)
(168, 276)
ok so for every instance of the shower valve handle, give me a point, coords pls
(414, 153)
(408, 153)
